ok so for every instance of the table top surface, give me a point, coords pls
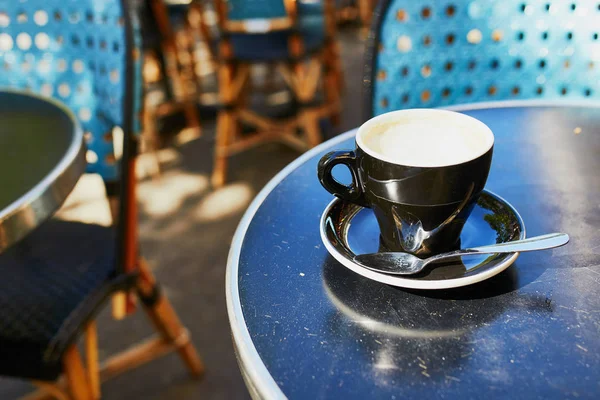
(41, 158)
(305, 326)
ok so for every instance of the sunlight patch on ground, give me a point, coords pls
(147, 162)
(187, 135)
(224, 202)
(168, 156)
(159, 198)
(87, 202)
(165, 195)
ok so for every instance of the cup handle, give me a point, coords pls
(353, 192)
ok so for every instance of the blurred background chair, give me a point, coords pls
(356, 10)
(52, 284)
(294, 38)
(170, 78)
(441, 53)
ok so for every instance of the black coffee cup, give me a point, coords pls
(420, 170)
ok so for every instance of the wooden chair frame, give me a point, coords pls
(82, 380)
(180, 73)
(199, 25)
(302, 74)
(365, 11)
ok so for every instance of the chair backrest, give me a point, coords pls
(435, 53)
(238, 10)
(262, 16)
(76, 51)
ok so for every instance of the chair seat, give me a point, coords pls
(51, 284)
(274, 46)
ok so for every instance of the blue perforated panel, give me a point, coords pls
(436, 53)
(72, 50)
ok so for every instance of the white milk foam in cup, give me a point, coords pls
(447, 139)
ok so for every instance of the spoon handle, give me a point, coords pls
(542, 242)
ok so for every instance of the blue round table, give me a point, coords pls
(306, 327)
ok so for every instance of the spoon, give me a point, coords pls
(397, 263)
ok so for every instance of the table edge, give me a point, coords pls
(43, 199)
(264, 384)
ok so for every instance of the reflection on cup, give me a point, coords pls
(421, 171)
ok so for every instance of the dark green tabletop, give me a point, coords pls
(41, 158)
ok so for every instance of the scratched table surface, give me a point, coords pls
(306, 327)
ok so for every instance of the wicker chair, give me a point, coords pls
(55, 280)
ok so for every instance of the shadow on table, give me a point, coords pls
(509, 280)
(397, 329)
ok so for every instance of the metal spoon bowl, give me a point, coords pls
(397, 263)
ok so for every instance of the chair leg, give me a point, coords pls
(151, 135)
(189, 31)
(225, 122)
(192, 118)
(77, 378)
(152, 138)
(166, 321)
(310, 122)
(364, 9)
(188, 79)
(225, 128)
(91, 357)
(305, 84)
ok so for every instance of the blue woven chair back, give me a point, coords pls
(74, 51)
(436, 53)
